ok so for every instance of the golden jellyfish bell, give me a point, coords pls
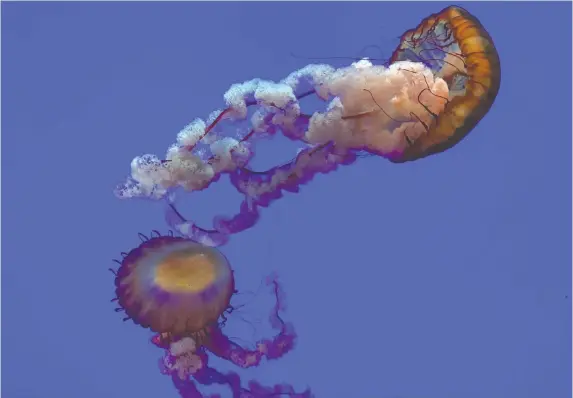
(174, 286)
(455, 45)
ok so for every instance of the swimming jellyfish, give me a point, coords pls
(439, 83)
(182, 291)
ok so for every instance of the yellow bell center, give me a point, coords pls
(185, 272)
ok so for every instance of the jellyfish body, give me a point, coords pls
(181, 290)
(455, 45)
(174, 285)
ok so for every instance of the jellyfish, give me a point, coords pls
(438, 84)
(181, 290)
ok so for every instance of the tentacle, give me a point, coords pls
(274, 348)
(260, 190)
(142, 237)
(191, 230)
(187, 388)
(265, 187)
(208, 376)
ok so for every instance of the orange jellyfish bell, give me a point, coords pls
(174, 286)
(455, 45)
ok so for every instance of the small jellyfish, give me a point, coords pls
(182, 291)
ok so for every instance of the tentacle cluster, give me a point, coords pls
(188, 363)
(354, 121)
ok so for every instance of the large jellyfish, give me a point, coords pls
(439, 83)
(182, 291)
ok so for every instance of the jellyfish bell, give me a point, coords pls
(174, 286)
(458, 49)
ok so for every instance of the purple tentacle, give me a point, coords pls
(274, 348)
(260, 190)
